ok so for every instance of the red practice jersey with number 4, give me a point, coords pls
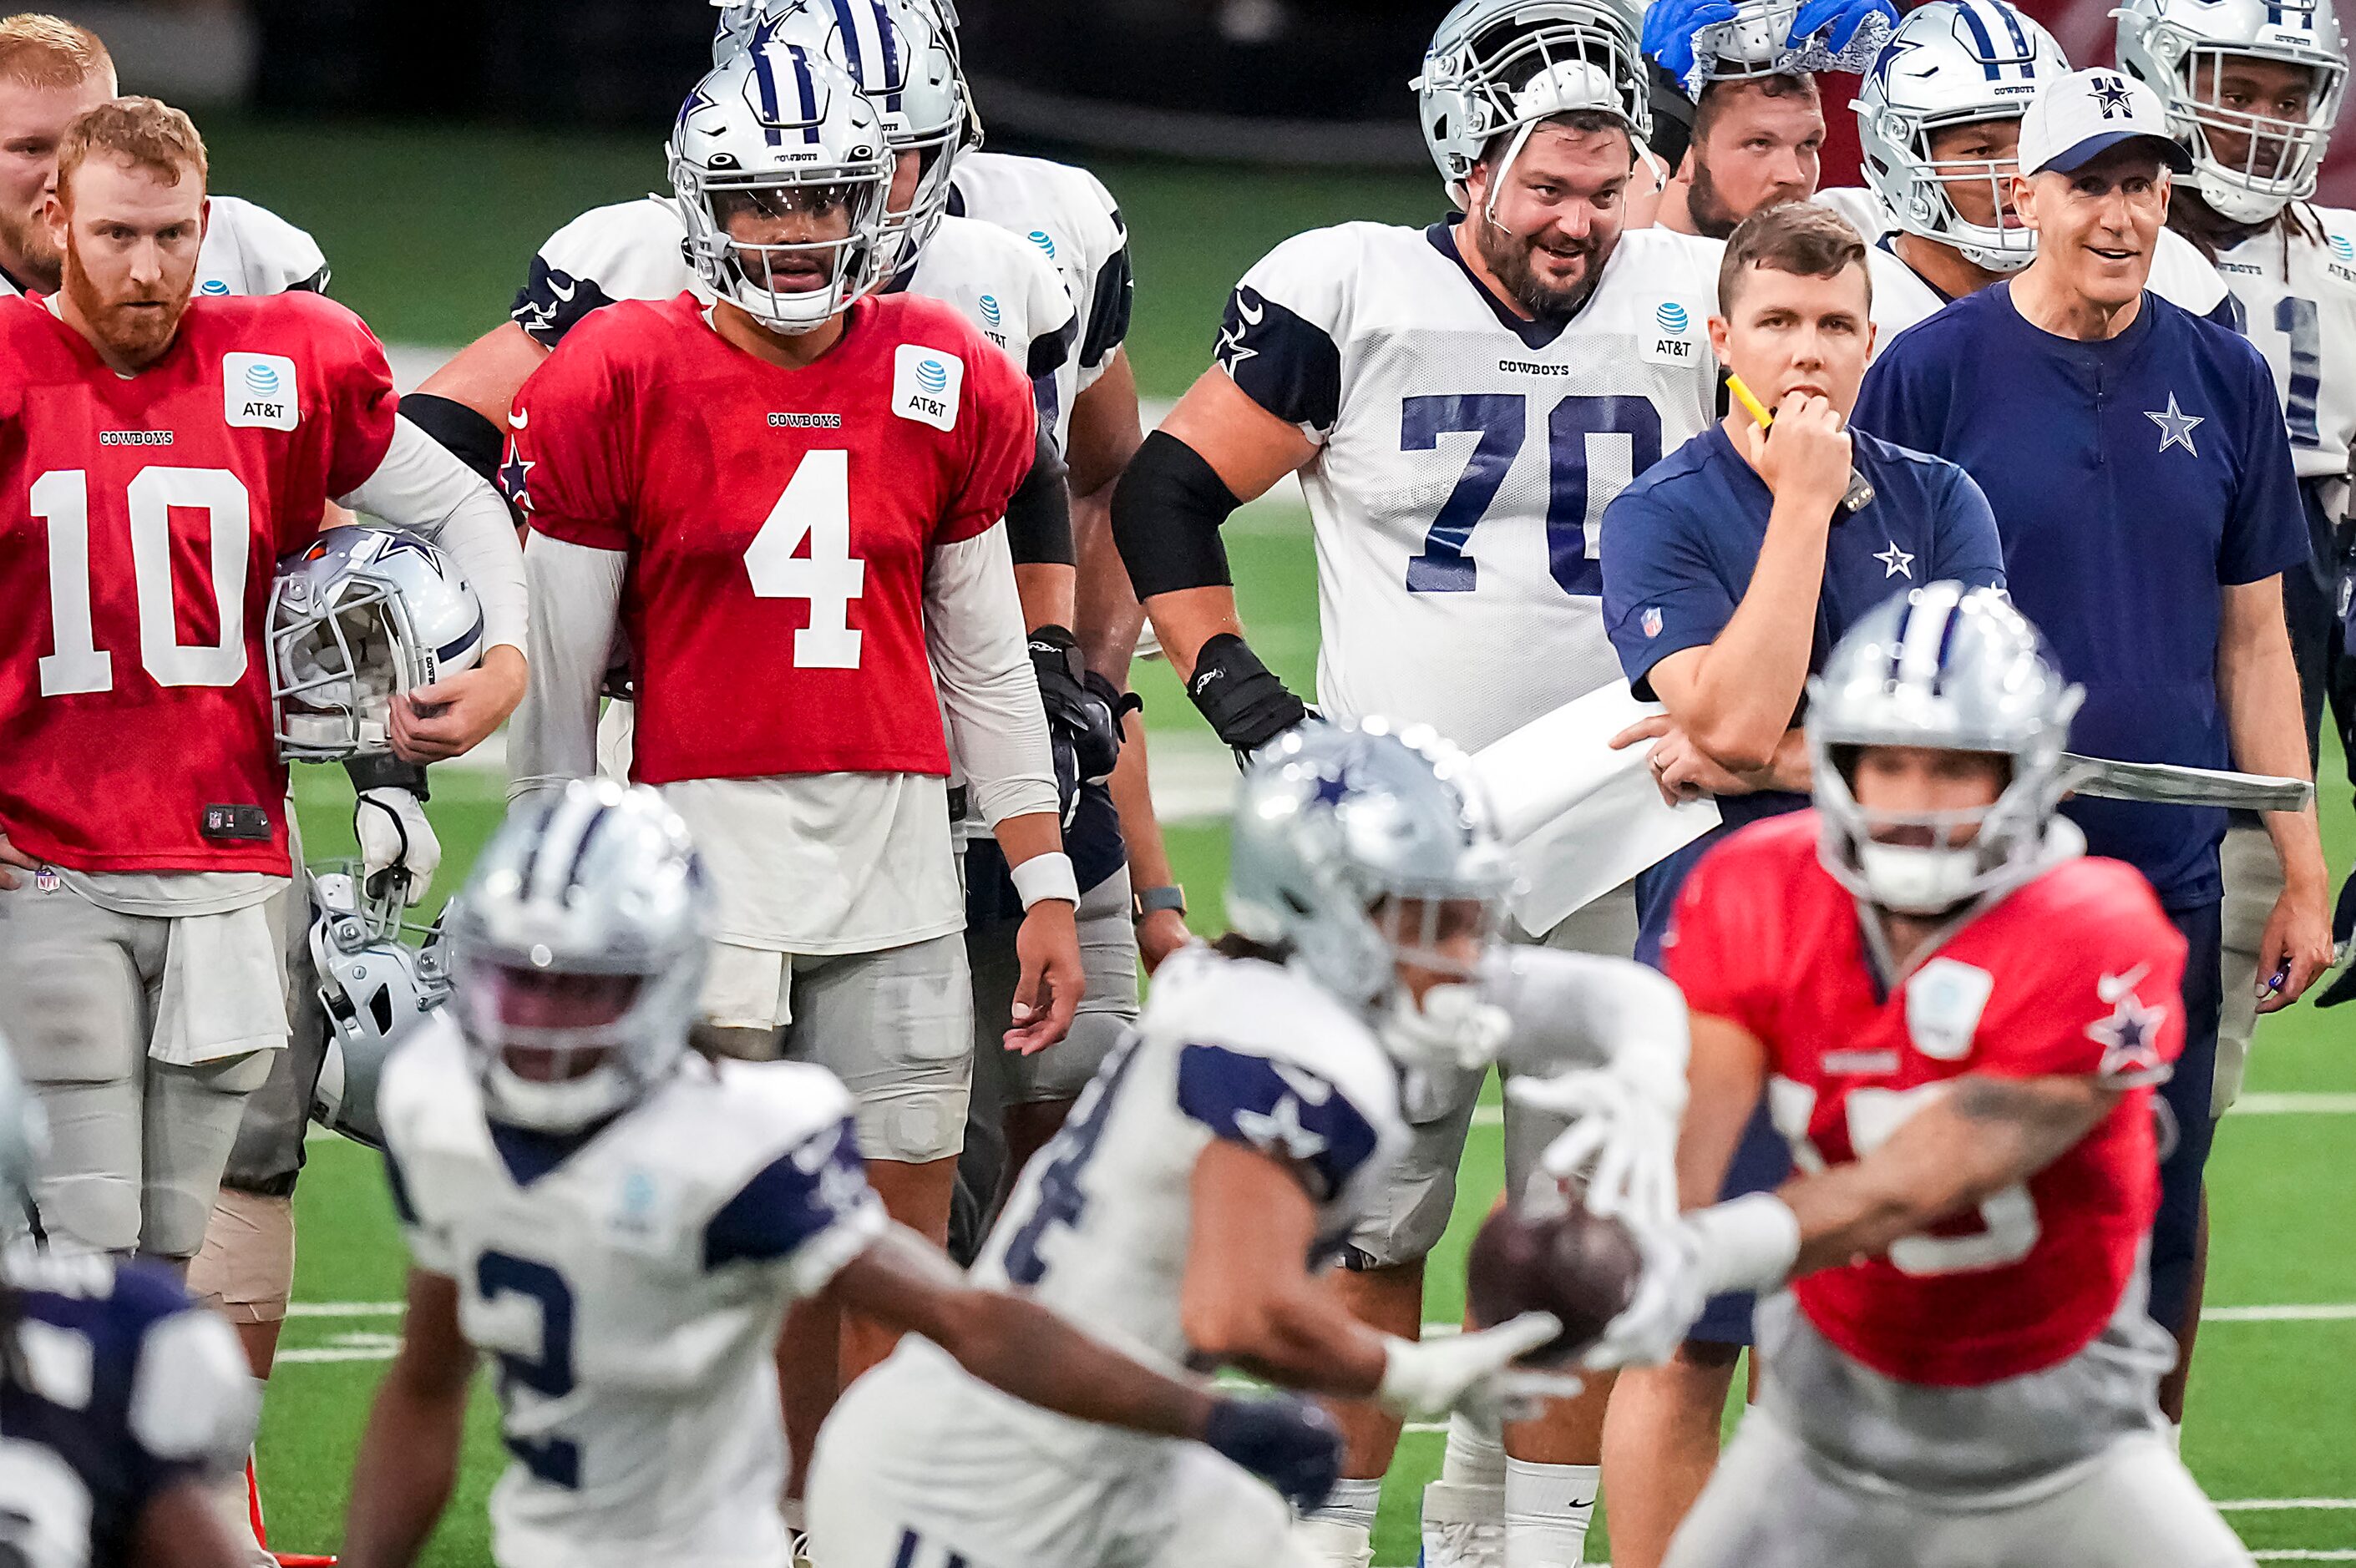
(144, 522)
(2078, 973)
(779, 522)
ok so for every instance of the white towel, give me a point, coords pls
(224, 991)
(1580, 817)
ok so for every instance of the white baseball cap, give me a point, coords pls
(2085, 114)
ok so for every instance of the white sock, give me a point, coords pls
(1475, 1456)
(1548, 1510)
(1353, 1503)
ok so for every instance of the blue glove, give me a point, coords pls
(2343, 933)
(1289, 1443)
(1843, 16)
(1670, 26)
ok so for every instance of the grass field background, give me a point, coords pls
(429, 233)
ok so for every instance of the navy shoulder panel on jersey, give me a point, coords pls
(404, 1208)
(552, 301)
(1051, 351)
(1280, 1109)
(1286, 364)
(1108, 307)
(801, 1194)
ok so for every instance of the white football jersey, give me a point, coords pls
(247, 250)
(1068, 217)
(2295, 298)
(632, 250)
(1465, 457)
(1227, 1048)
(630, 1284)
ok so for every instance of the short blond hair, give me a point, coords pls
(49, 51)
(144, 131)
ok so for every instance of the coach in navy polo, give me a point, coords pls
(2142, 481)
(1729, 571)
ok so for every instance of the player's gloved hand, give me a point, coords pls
(1084, 715)
(1289, 1443)
(399, 850)
(1670, 1295)
(1670, 26)
(1841, 18)
(2343, 947)
(1619, 1152)
(1242, 698)
(1425, 1379)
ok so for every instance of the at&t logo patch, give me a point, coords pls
(258, 391)
(927, 385)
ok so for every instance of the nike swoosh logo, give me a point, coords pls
(563, 292)
(1250, 312)
(519, 418)
(2112, 988)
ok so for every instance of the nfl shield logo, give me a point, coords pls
(47, 880)
(1651, 620)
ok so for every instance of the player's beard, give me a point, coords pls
(1712, 217)
(25, 235)
(1512, 256)
(134, 328)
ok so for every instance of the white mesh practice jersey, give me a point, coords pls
(632, 250)
(1227, 1048)
(2295, 297)
(629, 1286)
(247, 250)
(2179, 273)
(1067, 215)
(1465, 457)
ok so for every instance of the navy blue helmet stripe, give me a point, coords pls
(764, 80)
(1985, 46)
(2022, 51)
(809, 95)
(888, 38)
(854, 55)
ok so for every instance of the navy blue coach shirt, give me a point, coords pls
(1681, 543)
(2133, 480)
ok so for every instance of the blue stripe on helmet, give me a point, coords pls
(1984, 43)
(888, 37)
(1898, 643)
(854, 58)
(2022, 51)
(1946, 645)
(764, 80)
(808, 86)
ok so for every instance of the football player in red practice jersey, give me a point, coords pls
(160, 454)
(786, 488)
(1956, 1017)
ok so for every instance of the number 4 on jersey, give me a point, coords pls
(816, 507)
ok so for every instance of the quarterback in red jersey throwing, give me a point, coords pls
(785, 487)
(158, 453)
(1956, 1017)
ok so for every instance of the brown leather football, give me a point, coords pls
(1582, 1268)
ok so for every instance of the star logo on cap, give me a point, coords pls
(1896, 562)
(2110, 94)
(2176, 426)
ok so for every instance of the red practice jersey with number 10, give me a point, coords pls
(779, 522)
(2078, 973)
(143, 520)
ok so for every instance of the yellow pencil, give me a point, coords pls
(1861, 489)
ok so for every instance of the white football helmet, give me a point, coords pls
(358, 616)
(904, 58)
(374, 986)
(2179, 49)
(1497, 68)
(1950, 668)
(577, 953)
(1953, 62)
(778, 132)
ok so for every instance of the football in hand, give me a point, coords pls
(1576, 1265)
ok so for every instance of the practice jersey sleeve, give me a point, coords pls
(429, 1244)
(629, 251)
(1285, 1111)
(810, 1210)
(194, 1402)
(1281, 340)
(2113, 1007)
(1002, 438)
(569, 469)
(274, 255)
(1105, 318)
(1662, 593)
(362, 405)
(2265, 527)
(1719, 946)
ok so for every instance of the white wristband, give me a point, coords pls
(1048, 876)
(1747, 1242)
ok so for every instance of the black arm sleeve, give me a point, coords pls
(1166, 514)
(468, 436)
(1039, 514)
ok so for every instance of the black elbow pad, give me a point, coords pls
(1166, 514)
(1039, 515)
(465, 433)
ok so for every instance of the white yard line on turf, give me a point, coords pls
(344, 1309)
(2284, 1104)
(2334, 1555)
(2261, 1505)
(2326, 1312)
